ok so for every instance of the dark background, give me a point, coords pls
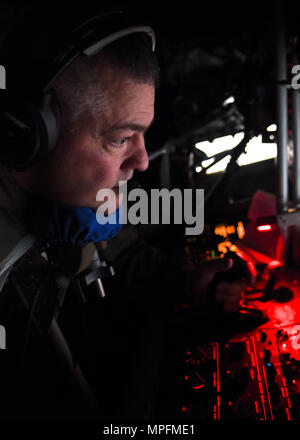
(207, 51)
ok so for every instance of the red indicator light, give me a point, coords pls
(198, 387)
(264, 228)
(274, 263)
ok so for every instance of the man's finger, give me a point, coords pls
(217, 265)
(231, 289)
(229, 295)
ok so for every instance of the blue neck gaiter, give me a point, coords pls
(60, 223)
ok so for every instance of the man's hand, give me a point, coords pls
(203, 284)
(229, 295)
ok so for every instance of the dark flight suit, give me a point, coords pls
(117, 341)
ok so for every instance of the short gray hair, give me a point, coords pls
(81, 90)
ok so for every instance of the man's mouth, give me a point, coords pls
(121, 183)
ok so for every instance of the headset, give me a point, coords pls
(30, 130)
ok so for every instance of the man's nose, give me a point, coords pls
(138, 160)
(142, 158)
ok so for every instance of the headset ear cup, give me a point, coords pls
(27, 134)
(19, 135)
(49, 123)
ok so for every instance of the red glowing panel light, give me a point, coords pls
(262, 228)
(274, 263)
(248, 260)
(290, 342)
(198, 387)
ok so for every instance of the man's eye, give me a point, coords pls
(120, 142)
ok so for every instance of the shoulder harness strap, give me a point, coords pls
(7, 264)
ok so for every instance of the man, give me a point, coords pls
(107, 105)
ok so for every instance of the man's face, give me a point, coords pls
(104, 152)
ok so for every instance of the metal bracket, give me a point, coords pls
(288, 219)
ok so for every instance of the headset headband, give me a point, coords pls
(63, 48)
(30, 119)
(97, 46)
